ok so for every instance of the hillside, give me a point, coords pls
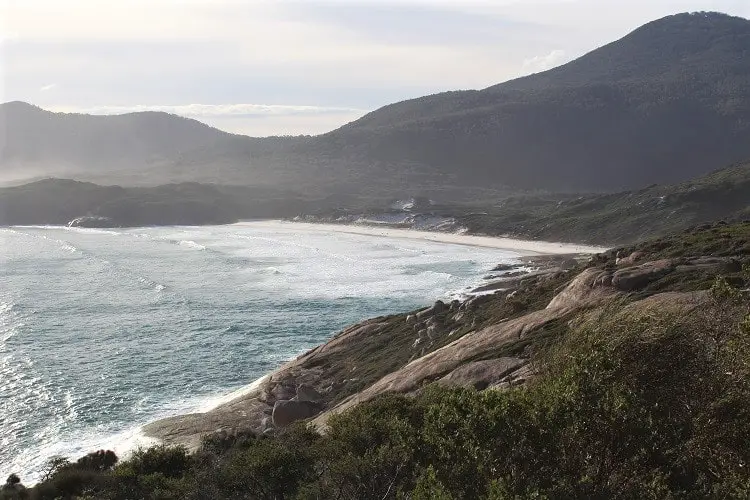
(623, 217)
(603, 219)
(666, 103)
(141, 148)
(661, 105)
(623, 377)
(59, 201)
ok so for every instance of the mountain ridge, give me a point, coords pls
(663, 104)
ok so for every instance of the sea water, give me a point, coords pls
(102, 331)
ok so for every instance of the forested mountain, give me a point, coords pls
(60, 201)
(667, 103)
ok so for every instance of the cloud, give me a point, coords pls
(48, 87)
(302, 124)
(342, 56)
(543, 63)
(212, 110)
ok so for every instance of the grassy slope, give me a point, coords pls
(616, 218)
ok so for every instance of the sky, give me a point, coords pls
(285, 67)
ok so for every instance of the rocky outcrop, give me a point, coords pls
(288, 412)
(629, 260)
(441, 363)
(588, 287)
(711, 264)
(307, 393)
(483, 374)
(634, 277)
(92, 221)
(333, 377)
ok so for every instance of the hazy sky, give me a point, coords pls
(292, 67)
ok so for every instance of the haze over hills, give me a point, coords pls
(664, 104)
(612, 218)
(130, 146)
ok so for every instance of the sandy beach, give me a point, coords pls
(240, 409)
(522, 247)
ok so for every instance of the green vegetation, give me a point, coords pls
(622, 217)
(649, 405)
(606, 219)
(58, 201)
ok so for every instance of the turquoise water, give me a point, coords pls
(103, 331)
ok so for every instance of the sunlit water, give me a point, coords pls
(102, 331)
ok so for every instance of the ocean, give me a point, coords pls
(102, 331)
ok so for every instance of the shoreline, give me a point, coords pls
(524, 248)
(228, 407)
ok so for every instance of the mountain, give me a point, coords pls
(60, 201)
(603, 219)
(664, 104)
(622, 217)
(145, 147)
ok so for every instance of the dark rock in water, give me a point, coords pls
(92, 221)
(288, 412)
(505, 267)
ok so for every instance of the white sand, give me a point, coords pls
(522, 247)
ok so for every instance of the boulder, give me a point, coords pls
(308, 393)
(629, 260)
(288, 412)
(265, 424)
(568, 264)
(278, 391)
(603, 279)
(713, 264)
(505, 267)
(424, 314)
(632, 278)
(432, 332)
(475, 301)
(482, 374)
